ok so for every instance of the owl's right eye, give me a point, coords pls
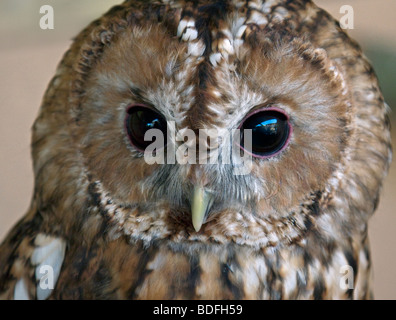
(139, 120)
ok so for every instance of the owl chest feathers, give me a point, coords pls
(121, 270)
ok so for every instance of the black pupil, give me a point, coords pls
(139, 121)
(270, 131)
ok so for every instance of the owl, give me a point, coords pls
(204, 150)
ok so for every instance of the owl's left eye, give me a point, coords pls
(270, 132)
(139, 120)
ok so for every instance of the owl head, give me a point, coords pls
(273, 87)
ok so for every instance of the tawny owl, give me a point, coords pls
(274, 205)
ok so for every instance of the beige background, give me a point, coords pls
(28, 58)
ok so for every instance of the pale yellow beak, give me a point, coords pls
(201, 202)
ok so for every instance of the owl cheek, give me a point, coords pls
(278, 203)
(126, 183)
(265, 208)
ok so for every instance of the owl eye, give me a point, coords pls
(139, 120)
(270, 132)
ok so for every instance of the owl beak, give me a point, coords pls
(202, 201)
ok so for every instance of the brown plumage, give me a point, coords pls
(113, 226)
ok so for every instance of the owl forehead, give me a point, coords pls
(214, 40)
(201, 82)
(207, 64)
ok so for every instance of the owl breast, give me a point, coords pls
(168, 271)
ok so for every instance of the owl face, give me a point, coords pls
(223, 76)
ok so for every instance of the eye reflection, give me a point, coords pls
(270, 132)
(139, 120)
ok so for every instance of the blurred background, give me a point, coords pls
(29, 56)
